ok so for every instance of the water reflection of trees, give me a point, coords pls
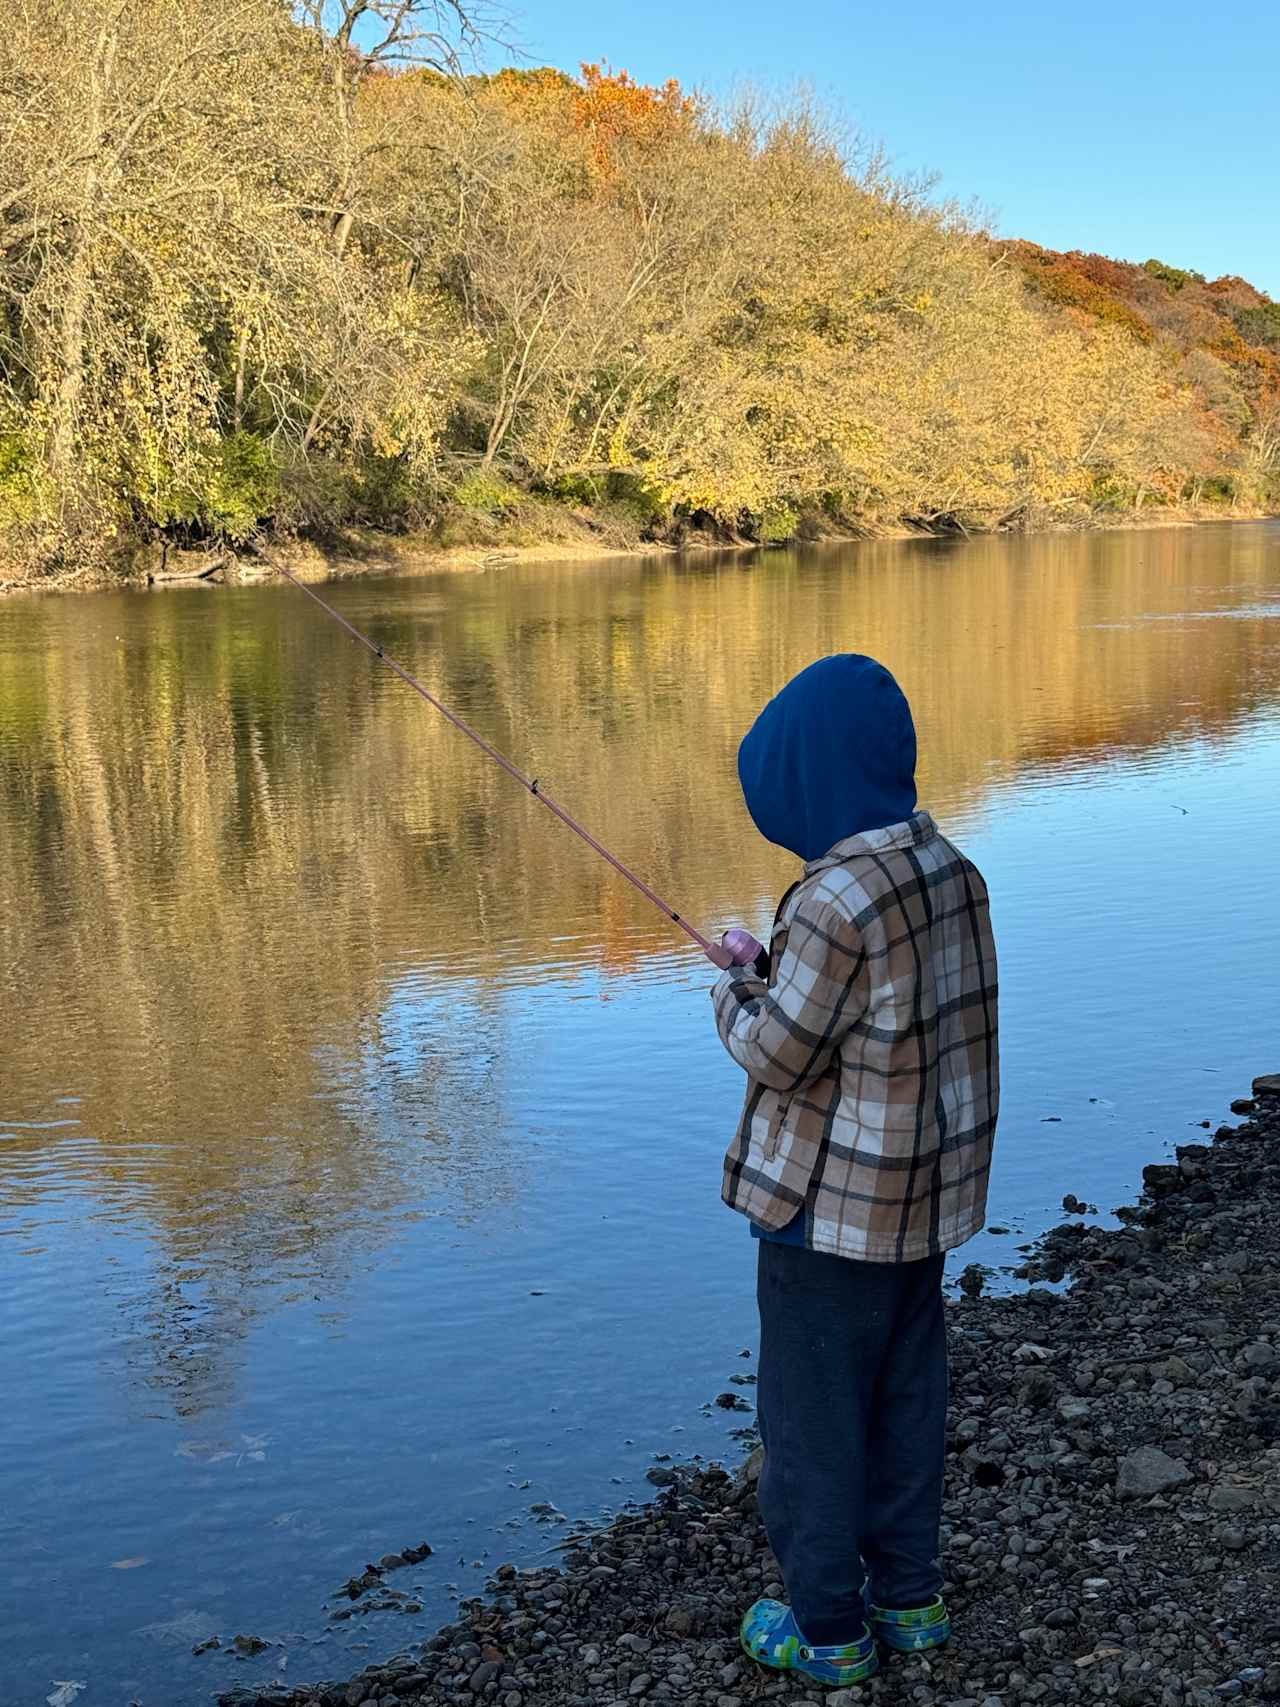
(242, 866)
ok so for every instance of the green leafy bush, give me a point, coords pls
(1109, 493)
(22, 497)
(642, 501)
(243, 486)
(777, 523)
(581, 489)
(1261, 325)
(225, 491)
(389, 494)
(1177, 278)
(486, 493)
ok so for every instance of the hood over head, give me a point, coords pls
(832, 755)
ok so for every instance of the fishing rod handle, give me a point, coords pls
(741, 946)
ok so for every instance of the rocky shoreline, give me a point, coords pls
(1112, 1523)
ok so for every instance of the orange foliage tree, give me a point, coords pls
(615, 111)
(608, 111)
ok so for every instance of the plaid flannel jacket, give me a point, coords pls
(871, 1052)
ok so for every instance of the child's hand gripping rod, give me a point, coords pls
(721, 955)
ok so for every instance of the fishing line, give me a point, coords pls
(715, 953)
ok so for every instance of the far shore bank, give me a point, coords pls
(366, 552)
(1112, 1522)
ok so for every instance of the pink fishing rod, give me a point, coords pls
(738, 947)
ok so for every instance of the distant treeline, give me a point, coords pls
(273, 268)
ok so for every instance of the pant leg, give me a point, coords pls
(906, 1445)
(824, 1326)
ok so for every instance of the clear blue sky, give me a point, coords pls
(1133, 129)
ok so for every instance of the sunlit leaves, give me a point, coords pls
(256, 263)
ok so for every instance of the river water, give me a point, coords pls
(360, 1131)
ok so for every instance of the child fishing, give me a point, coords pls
(868, 1035)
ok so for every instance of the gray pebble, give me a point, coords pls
(1226, 1498)
(1149, 1471)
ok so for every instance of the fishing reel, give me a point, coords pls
(743, 950)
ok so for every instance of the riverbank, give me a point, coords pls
(1112, 1522)
(483, 545)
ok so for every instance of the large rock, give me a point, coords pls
(1149, 1471)
(1161, 1178)
(1267, 1086)
(1226, 1498)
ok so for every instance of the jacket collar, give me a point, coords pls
(917, 829)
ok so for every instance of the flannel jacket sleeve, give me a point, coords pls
(785, 1033)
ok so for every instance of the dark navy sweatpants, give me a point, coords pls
(852, 1395)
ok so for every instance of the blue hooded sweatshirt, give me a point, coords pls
(833, 755)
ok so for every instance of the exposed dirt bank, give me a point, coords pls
(576, 537)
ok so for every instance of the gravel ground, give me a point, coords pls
(1112, 1525)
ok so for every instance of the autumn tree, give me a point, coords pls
(124, 190)
(264, 265)
(360, 40)
(170, 273)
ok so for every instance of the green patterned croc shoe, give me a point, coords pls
(913, 1628)
(771, 1637)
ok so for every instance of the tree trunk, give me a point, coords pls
(317, 415)
(342, 232)
(71, 329)
(74, 314)
(344, 93)
(497, 432)
(242, 353)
